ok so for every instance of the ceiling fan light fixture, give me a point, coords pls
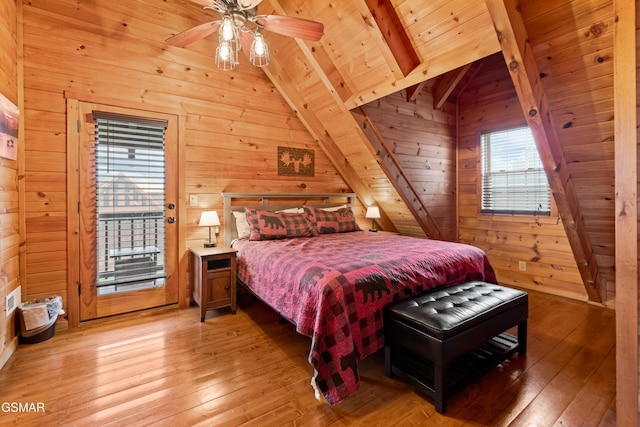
(228, 31)
(259, 54)
(226, 56)
(239, 22)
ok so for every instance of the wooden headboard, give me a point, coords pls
(275, 201)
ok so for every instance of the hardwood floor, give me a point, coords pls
(165, 367)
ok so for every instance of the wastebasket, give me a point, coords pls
(38, 319)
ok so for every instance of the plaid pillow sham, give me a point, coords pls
(268, 225)
(339, 221)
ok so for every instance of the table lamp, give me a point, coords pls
(210, 219)
(373, 212)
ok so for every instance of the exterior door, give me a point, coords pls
(127, 196)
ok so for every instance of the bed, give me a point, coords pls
(333, 281)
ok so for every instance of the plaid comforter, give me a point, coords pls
(334, 287)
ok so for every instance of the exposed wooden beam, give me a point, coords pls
(519, 58)
(447, 84)
(326, 66)
(400, 181)
(393, 32)
(470, 74)
(625, 64)
(414, 91)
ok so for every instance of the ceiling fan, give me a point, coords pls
(241, 29)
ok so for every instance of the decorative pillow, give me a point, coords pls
(334, 208)
(325, 222)
(291, 210)
(242, 226)
(268, 225)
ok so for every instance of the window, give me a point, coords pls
(130, 177)
(513, 179)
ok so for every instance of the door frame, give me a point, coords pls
(73, 216)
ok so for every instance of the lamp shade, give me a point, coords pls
(372, 212)
(209, 219)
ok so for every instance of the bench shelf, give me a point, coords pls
(461, 372)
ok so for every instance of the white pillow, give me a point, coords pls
(291, 210)
(242, 226)
(333, 209)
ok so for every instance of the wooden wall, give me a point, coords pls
(572, 42)
(111, 53)
(490, 103)
(114, 53)
(422, 140)
(9, 221)
(424, 144)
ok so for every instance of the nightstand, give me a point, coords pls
(213, 278)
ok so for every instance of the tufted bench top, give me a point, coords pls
(447, 312)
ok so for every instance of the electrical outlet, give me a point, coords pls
(522, 265)
(13, 299)
(193, 200)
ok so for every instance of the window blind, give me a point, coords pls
(129, 156)
(513, 178)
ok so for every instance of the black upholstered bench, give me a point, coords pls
(446, 338)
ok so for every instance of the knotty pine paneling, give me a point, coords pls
(540, 242)
(572, 43)
(114, 53)
(9, 211)
(422, 141)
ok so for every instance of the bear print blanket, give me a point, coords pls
(334, 287)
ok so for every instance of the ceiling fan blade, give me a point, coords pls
(246, 38)
(194, 34)
(292, 27)
(203, 2)
(246, 4)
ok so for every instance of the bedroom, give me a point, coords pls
(116, 55)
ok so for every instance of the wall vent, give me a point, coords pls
(13, 299)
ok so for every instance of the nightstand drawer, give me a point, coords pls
(214, 264)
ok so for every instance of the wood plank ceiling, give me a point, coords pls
(354, 64)
(373, 48)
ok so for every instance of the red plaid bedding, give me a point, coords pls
(333, 287)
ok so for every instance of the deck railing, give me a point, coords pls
(130, 247)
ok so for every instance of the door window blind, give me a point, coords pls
(513, 178)
(129, 154)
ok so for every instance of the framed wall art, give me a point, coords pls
(295, 161)
(9, 122)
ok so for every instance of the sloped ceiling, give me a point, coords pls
(373, 48)
(356, 62)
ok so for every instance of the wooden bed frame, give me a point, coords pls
(276, 201)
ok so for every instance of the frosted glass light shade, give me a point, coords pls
(259, 54)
